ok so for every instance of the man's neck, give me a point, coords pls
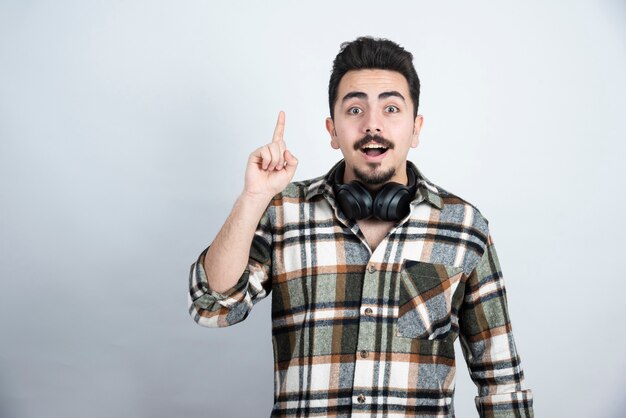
(374, 230)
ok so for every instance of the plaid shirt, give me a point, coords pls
(358, 333)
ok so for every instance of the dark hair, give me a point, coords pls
(373, 53)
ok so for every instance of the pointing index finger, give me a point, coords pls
(280, 127)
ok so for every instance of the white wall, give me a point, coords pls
(124, 130)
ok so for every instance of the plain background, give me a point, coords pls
(124, 132)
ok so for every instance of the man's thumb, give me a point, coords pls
(292, 162)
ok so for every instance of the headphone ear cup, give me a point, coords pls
(392, 202)
(355, 200)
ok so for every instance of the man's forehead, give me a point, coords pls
(372, 81)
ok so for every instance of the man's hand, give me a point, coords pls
(271, 167)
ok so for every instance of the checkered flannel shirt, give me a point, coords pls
(358, 333)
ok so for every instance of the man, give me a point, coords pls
(374, 270)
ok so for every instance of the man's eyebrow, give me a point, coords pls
(354, 94)
(381, 96)
(392, 93)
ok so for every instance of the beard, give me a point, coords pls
(374, 178)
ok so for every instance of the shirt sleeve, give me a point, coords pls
(214, 309)
(487, 342)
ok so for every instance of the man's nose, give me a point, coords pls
(373, 124)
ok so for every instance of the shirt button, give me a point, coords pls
(371, 268)
(361, 398)
(368, 311)
(364, 354)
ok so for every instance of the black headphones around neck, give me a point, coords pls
(391, 203)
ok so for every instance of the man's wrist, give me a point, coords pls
(258, 201)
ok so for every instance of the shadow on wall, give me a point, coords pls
(7, 405)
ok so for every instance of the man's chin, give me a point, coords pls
(374, 176)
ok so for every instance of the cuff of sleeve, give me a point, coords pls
(212, 300)
(506, 405)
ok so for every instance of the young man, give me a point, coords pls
(374, 270)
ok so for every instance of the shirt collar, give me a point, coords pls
(426, 190)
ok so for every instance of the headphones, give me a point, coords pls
(391, 203)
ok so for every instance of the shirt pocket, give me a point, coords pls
(425, 299)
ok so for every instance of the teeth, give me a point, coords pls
(374, 146)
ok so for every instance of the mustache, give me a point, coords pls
(373, 138)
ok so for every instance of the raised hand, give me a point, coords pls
(270, 167)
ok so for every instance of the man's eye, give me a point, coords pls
(392, 109)
(354, 111)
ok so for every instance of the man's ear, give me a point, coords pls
(417, 127)
(330, 127)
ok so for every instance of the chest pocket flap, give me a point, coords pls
(426, 297)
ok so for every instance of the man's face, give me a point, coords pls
(373, 126)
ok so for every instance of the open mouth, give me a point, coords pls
(374, 150)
